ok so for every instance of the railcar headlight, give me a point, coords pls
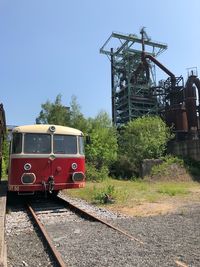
(28, 178)
(74, 166)
(78, 176)
(27, 166)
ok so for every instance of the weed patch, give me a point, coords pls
(132, 195)
(172, 190)
(104, 195)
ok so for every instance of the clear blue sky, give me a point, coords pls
(49, 47)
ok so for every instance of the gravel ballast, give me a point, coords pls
(24, 245)
(167, 239)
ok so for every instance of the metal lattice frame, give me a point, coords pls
(131, 99)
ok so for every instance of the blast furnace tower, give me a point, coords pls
(133, 76)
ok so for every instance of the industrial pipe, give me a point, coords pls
(190, 100)
(162, 67)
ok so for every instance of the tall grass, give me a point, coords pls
(173, 189)
(129, 193)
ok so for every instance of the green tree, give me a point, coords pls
(77, 119)
(103, 148)
(5, 155)
(54, 113)
(144, 138)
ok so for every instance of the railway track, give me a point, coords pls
(62, 222)
(39, 209)
(54, 251)
(91, 216)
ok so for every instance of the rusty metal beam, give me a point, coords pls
(55, 253)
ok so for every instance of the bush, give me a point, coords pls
(94, 174)
(162, 169)
(101, 195)
(102, 150)
(171, 169)
(193, 167)
(122, 168)
(4, 169)
(144, 138)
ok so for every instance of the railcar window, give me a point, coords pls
(64, 144)
(17, 143)
(37, 143)
(81, 145)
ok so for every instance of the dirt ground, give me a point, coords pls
(166, 206)
(169, 204)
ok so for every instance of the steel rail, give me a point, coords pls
(93, 217)
(181, 264)
(47, 238)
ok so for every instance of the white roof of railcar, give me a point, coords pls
(45, 128)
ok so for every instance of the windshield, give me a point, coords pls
(81, 145)
(64, 144)
(37, 143)
(17, 143)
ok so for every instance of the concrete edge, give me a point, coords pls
(3, 246)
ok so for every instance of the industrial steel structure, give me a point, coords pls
(133, 81)
(135, 92)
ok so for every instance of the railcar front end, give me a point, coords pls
(46, 158)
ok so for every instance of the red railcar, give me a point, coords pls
(46, 158)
